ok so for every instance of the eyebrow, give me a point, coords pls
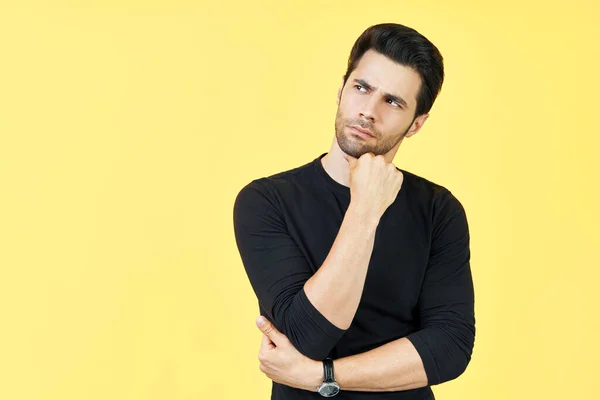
(397, 99)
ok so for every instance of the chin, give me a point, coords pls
(355, 152)
(352, 147)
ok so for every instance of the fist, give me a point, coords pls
(374, 183)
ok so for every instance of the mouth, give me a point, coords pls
(361, 131)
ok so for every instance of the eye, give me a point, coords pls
(396, 104)
(359, 87)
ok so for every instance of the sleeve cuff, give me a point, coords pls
(429, 364)
(319, 320)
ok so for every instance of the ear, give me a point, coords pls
(417, 124)
(339, 95)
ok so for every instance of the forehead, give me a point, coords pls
(388, 76)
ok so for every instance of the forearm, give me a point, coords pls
(393, 366)
(336, 288)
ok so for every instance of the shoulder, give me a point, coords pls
(424, 187)
(436, 197)
(271, 189)
(279, 183)
(444, 213)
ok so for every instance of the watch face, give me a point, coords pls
(329, 389)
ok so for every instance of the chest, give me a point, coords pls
(400, 254)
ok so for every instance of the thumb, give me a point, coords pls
(269, 330)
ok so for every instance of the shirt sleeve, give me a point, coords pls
(446, 302)
(277, 271)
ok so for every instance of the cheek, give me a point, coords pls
(343, 115)
(350, 104)
(397, 122)
(391, 125)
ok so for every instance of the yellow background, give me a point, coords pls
(127, 129)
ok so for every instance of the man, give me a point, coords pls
(362, 269)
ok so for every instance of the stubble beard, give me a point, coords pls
(356, 147)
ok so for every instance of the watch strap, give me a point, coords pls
(328, 370)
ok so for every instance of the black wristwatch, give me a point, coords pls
(329, 387)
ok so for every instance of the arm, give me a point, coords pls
(442, 348)
(337, 299)
(313, 311)
(446, 336)
(391, 367)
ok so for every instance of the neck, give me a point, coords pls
(336, 165)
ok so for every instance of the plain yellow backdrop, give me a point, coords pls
(127, 128)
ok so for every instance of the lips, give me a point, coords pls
(365, 131)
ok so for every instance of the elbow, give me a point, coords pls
(309, 331)
(447, 368)
(315, 351)
(445, 353)
(455, 367)
(305, 338)
(456, 358)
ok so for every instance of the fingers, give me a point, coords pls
(352, 162)
(266, 343)
(269, 330)
(266, 340)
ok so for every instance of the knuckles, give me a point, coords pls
(267, 331)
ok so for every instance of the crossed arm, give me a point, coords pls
(393, 366)
(439, 351)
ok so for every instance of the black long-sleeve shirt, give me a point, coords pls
(418, 283)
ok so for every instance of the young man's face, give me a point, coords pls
(379, 96)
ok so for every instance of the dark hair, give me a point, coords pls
(407, 47)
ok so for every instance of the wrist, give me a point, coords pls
(329, 387)
(316, 375)
(365, 215)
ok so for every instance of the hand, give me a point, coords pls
(374, 183)
(282, 363)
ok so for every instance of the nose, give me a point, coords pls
(368, 110)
